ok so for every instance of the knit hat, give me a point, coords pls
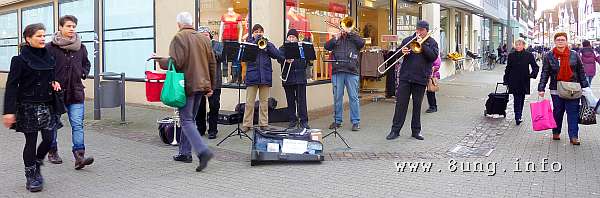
(423, 24)
(292, 32)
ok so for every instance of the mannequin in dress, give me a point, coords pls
(230, 30)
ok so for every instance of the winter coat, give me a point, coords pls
(517, 73)
(589, 59)
(193, 55)
(297, 71)
(416, 68)
(551, 67)
(71, 68)
(436, 68)
(260, 72)
(346, 50)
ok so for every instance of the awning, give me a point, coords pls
(8, 2)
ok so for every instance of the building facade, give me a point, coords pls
(123, 35)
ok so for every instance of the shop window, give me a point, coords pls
(39, 14)
(228, 21)
(444, 42)
(128, 36)
(407, 18)
(9, 39)
(84, 11)
(308, 17)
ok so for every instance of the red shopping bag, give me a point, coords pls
(541, 115)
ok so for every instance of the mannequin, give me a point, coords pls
(296, 20)
(230, 30)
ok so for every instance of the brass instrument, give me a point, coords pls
(413, 44)
(288, 71)
(262, 43)
(346, 25)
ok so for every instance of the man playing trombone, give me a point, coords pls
(412, 79)
(345, 46)
(293, 75)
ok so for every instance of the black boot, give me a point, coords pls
(417, 136)
(33, 184)
(392, 135)
(203, 160)
(38, 171)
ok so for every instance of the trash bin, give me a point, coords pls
(111, 91)
(110, 94)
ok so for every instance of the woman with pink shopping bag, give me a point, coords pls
(541, 115)
(567, 78)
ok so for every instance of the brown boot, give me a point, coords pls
(53, 156)
(80, 159)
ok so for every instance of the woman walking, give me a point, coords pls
(562, 65)
(589, 60)
(29, 105)
(517, 76)
(435, 73)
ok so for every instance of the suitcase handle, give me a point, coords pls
(496, 91)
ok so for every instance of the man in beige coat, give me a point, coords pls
(193, 55)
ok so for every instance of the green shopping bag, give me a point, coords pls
(173, 91)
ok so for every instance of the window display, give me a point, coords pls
(228, 21)
(309, 18)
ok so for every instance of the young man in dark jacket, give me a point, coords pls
(213, 101)
(412, 81)
(346, 47)
(294, 83)
(72, 66)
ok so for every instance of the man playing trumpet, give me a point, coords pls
(412, 81)
(345, 46)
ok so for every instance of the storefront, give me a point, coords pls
(127, 33)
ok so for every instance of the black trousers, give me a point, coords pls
(405, 91)
(431, 99)
(296, 100)
(29, 152)
(213, 113)
(390, 83)
(519, 101)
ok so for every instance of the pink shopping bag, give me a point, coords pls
(541, 115)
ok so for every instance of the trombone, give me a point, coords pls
(289, 68)
(346, 25)
(413, 44)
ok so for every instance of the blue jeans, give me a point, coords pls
(190, 137)
(572, 108)
(350, 81)
(75, 113)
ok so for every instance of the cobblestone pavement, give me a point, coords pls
(463, 148)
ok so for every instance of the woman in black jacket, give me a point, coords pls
(517, 76)
(29, 105)
(294, 84)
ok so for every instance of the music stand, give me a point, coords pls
(243, 52)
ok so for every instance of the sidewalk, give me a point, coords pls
(132, 162)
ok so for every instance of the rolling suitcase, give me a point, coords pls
(496, 102)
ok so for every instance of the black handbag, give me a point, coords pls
(587, 114)
(58, 102)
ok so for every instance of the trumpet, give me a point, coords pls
(413, 44)
(262, 42)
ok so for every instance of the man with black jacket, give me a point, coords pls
(345, 46)
(412, 81)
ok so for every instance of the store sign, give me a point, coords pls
(389, 38)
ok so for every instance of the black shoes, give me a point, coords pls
(305, 125)
(418, 136)
(519, 121)
(34, 184)
(392, 135)
(292, 125)
(355, 127)
(431, 110)
(212, 136)
(183, 158)
(204, 158)
(335, 125)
